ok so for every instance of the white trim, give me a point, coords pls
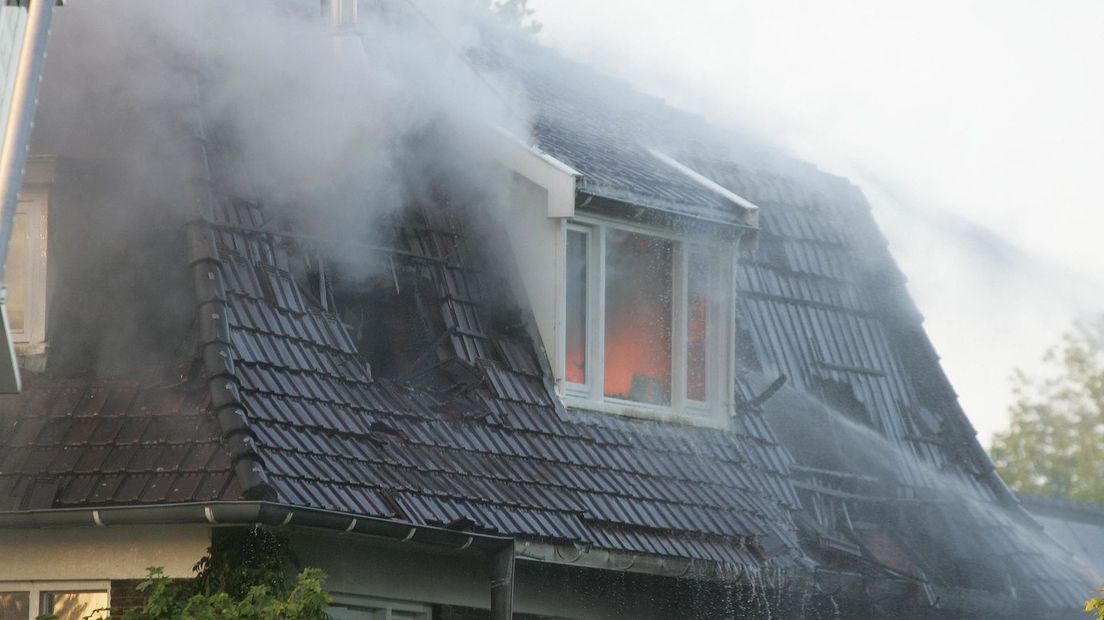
(720, 328)
(705, 182)
(557, 178)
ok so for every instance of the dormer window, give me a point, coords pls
(646, 322)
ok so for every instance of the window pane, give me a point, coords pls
(638, 318)
(15, 273)
(697, 309)
(74, 605)
(576, 345)
(14, 605)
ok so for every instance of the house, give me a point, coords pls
(671, 380)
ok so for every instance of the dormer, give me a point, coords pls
(628, 265)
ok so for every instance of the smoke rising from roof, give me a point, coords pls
(154, 105)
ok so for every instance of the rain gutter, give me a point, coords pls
(252, 513)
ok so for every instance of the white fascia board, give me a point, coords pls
(751, 211)
(556, 177)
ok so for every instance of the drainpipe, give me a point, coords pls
(16, 140)
(502, 583)
(13, 156)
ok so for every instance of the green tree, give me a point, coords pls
(1095, 606)
(244, 576)
(1054, 443)
(306, 601)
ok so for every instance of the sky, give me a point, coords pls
(975, 128)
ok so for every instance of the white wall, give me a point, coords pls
(537, 242)
(101, 553)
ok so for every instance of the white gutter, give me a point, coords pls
(751, 211)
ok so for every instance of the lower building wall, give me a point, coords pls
(101, 553)
(385, 571)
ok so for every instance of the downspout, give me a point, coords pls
(502, 583)
(13, 158)
(17, 141)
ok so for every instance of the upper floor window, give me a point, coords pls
(647, 322)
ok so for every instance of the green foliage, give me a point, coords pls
(241, 558)
(514, 13)
(1054, 443)
(1096, 606)
(242, 577)
(306, 601)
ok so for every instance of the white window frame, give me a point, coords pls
(37, 588)
(378, 608)
(31, 340)
(720, 360)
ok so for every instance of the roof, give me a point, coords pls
(79, 443)
(613, 137)
(498, 455)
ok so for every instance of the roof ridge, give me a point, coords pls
(218, 362)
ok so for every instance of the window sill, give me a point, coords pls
(704, 419)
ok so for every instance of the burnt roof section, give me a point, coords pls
(476, 440)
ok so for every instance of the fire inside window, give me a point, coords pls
(644, 321)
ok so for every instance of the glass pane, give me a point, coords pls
(697, 309)
(575, 366)
(638, 317)
(75, 605)
(14, 605)
(15, 273)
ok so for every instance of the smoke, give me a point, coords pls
(981, 541)
(149, 105)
